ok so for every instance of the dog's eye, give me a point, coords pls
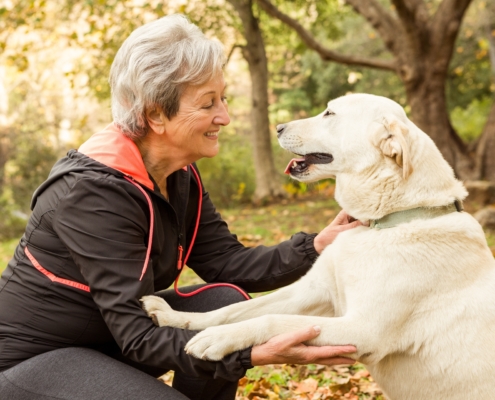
(328, 112)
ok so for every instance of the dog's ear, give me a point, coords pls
(393, 143)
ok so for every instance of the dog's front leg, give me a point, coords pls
(214, 343)
(308, 296)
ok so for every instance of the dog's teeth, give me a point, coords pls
(294, 164)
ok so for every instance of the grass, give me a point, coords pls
(270, 225)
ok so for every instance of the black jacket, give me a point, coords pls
(90, 225)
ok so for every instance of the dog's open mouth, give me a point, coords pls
(299, 165)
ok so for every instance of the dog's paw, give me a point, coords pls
(162, 314)
(157, 309)
(154, 303)
(216, 342)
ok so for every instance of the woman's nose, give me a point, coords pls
(222, 118)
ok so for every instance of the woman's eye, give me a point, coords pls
(223, 99)
(328, 112)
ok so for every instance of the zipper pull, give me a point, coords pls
(179, 262)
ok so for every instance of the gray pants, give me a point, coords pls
(77, 373)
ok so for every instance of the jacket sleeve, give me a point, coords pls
(217, 256)
(105, 230)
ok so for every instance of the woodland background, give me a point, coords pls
(286, 60)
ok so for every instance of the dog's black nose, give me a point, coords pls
(280, 129)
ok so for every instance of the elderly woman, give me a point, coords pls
(117, 219)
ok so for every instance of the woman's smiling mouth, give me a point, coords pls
(211, 135)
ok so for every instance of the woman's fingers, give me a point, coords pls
(336, 361)
(341, 218)
(289, 348)
(300, 336)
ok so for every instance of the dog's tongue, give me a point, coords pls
(292, 163)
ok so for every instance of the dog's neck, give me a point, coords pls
(379, 190)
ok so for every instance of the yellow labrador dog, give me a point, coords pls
(414, 291)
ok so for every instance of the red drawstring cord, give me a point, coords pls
(180, 264)
(152, 221)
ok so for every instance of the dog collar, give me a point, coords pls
(401, 217)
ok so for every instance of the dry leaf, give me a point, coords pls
(307, 386)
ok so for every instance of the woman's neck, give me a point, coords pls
(160, 162)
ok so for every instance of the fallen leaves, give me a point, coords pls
(312, 382)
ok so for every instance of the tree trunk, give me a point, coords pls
(485, 150)
(268, 184)
(429, 112)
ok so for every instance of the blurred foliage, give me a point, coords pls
(12, 225)
(229, 176)
(6, 251)
(28, 168)
(471, 72)
(471, 85)
(470, 120)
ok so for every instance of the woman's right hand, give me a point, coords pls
(341, 223)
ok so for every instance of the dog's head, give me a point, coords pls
(377, 155)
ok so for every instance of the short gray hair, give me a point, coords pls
(153, 67)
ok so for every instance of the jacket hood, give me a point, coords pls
(112, 148)
(108, 150)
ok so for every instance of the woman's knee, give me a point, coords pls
(80, 373)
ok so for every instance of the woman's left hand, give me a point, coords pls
(341, 223)
(288, 348)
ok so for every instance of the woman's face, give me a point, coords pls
(202, 111)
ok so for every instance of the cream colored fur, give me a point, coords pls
(417, 300)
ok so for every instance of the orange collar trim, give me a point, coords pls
(112, 148)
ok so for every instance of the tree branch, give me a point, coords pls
(324, 52)
(417, 8)
(414, 18)
(451, 9)
(407, 14)
(235, 46)
(380, 19)
(445, 27)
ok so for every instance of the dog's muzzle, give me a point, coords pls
(298, 166)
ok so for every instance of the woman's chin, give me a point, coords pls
(211, 151)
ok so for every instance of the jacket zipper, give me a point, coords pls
(180, 249)
(179, 261)
(179, 226)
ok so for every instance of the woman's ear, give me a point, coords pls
(156, 120)
(392, 141)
